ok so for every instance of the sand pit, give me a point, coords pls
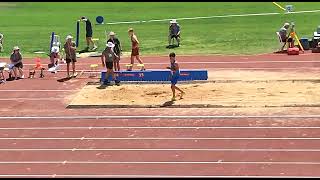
(237, 94)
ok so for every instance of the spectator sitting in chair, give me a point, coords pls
(16, 60)
(284, 35)
(1, 42)
(174, 32)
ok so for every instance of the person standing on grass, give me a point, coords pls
(16, 60)
(175, 74)
(135, 48)
(70, 51)
(117, 49)
(174, 32)
(107, 59)
(89, 33)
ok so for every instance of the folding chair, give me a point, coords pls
(280, 41)
(2, 66)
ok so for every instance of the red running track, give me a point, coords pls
(86, 143)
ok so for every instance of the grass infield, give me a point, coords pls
(29, 25)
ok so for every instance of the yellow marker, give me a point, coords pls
(299, 42)
(279, 6)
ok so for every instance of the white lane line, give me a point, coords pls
(216, 62)
(157, 127)
(159, 162)
(156, 138)
(30, 99)
(144, 149)
(36, 90)
(226, 68)
(146, 176)
(210, 17)
(162, 117)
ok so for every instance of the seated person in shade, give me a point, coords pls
(284, 34)
(16, 60)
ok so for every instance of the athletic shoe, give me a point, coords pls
(173, 99)
(117, 82)
(94, 48)
(22, 77)
(182, 94)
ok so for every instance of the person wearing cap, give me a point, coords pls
(16, 60)
(174, 31)
(54, 58)
(134, 48)
(107, 59)
(70, 51)
(117, 49)
(283, 32)
(1, 42)
(88, 33)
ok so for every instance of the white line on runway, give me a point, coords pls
(158, 162)
(156, 138)
(146, 149)
(158, 127)
(30, 99)
(35, 90)
(159, 117)
(146, 176)
(217, 62)
(230, 68)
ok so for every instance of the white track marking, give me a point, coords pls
(210, 17)
(231, 68)
(159, 162)
(146, 176)
(30, 99)
(159, 127)
(177, 149)
(36, 90)
(156, 138)
(210, 117)
(221, 62)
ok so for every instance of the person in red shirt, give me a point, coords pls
(135, 48)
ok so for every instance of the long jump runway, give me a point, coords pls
(39, 137)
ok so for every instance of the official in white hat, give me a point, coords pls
(107, 58)
(70, 51)
(16, 60)
(117, 49)
(174, 32)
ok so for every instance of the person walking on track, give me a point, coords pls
(175, 74)
(107, 59)
(70, 51)
(135, 49)
(117, 49)
(89, 33)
